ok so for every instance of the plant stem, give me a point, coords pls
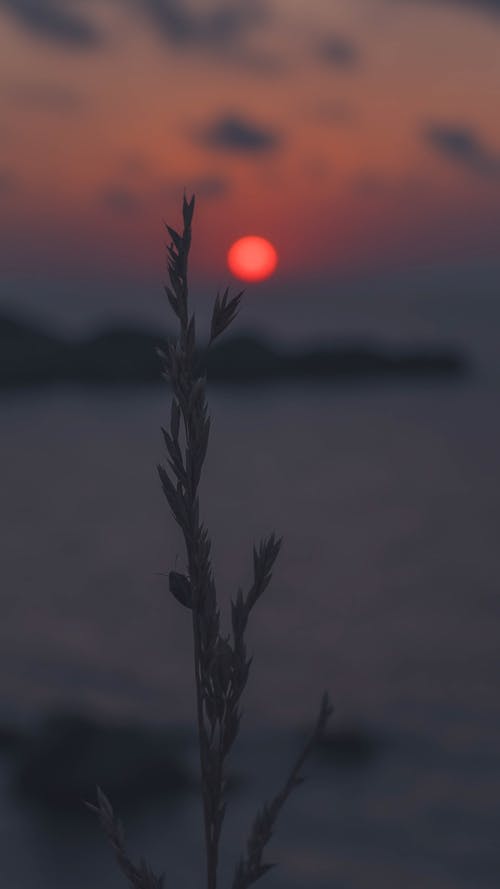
(196, 588)
(211, 869)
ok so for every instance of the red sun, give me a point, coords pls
(252, 258)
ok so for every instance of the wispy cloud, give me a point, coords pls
(233, 133)
(121, 200)
(44, 97)
(210, 187)
(222, 28)
(490, 5)
(54, 20)
(338, 51)
(479, 6)
(460, 144)
(376, 184)
(224, 22)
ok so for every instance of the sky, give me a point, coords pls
(361, 137)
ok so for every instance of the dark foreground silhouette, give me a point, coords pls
(29, 356)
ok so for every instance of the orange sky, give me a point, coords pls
(352, 134)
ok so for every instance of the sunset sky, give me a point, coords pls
(361, 137)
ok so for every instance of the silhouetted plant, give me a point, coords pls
(221, 666)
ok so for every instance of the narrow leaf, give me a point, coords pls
(175, 416)
(187, 211)
(176, 238)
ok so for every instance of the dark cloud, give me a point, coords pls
(338, 51)
(491, 5)
(45, 97)
(121, 200)
(233, 133)
(224, 23)
(54, 20)
(460, 144)
(474, 5)
(222, 29)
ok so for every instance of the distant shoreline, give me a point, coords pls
(30, 356)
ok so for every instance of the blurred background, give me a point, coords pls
(363, 140)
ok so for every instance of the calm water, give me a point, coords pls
(386, 592)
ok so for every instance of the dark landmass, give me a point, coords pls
(59, 765)
(350, 746)
(30, 356)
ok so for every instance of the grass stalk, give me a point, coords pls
(221, 664)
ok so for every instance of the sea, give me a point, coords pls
(386, 593)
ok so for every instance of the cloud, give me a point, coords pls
(490, 5)
(480, 6)
(208, 188)
(232, 133)
(54, 20)
(222, 29)
(460, 144)
(484, 5)
(121, 200)
(224, 23)
(338, 52)
(376, 184)
(45, 97)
